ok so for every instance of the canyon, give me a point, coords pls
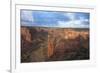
(39, 44)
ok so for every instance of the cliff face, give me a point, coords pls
(67, 43)
(33, 44)
(26, 35)
(25, 39)
(26, 43)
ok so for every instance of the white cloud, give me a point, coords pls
(27, 16)
(74, 23)
(81, 22)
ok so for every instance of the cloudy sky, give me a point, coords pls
(54, 19)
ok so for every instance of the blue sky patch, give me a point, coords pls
(54, 19)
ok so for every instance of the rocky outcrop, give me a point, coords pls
(26, 35)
